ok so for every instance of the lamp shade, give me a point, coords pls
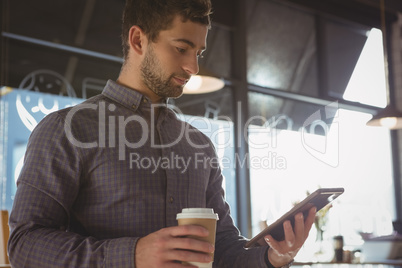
(388, 117)
(199, 84)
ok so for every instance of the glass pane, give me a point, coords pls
(283, 54)
(281, 48)
(213, 105)
(343, 45)
(35, 68)
(76, 23)
(285, 165)
(217, 57)
(93, 26)
(265, 110)
(367, 84)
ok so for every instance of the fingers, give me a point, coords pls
(295, 236)
(191, 244)
(290, 237)
(183, 242)
(187, 238)
(171, 245)
(302, 227)
(272, 243)
(186, 230)
(176, 265)
(299, 230)
(310, 219)
(189, 255)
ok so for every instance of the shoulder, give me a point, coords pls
(88, 109)
(80, 121)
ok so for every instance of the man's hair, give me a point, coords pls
(153, 16)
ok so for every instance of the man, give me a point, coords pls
(98, 188)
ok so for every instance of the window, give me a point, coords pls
(286, 164)
(367, 83)
(296, 147)
(282, 53)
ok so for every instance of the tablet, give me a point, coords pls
(319, 199)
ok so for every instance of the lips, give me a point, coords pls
(180, 80)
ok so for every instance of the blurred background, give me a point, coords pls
(300, 81)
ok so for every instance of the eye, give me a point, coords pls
(181, 50)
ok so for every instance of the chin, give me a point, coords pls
(178, 93)
(171, 91)
(174, 94)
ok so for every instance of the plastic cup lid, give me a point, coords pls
(198, 213)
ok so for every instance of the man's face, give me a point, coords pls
(169, 62)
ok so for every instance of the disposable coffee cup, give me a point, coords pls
(204, 217)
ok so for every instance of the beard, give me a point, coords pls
(156, 79)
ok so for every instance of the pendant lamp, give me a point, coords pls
(203, 82)
(388, 117)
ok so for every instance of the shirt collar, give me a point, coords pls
(128, 97)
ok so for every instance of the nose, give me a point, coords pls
(191, 66)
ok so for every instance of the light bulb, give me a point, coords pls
(388, 122)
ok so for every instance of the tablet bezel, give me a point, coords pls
(319, 199)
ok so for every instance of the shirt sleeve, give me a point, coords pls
(229, 245)
(39, 222)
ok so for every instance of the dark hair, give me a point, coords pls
(154, 16)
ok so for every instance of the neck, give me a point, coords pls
(131, 78)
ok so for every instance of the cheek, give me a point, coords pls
(170, 65)
(169, 59)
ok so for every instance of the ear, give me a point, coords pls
(137, 39)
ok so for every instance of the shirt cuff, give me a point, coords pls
(267, 262)
(120, 252)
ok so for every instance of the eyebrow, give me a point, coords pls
(188, 42)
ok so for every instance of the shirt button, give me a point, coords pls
(171, 199)
(134, 106)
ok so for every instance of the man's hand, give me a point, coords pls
(282, 252)
(169, 246)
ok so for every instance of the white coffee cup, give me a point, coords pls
(204, 217)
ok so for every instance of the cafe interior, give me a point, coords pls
(296, 95)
